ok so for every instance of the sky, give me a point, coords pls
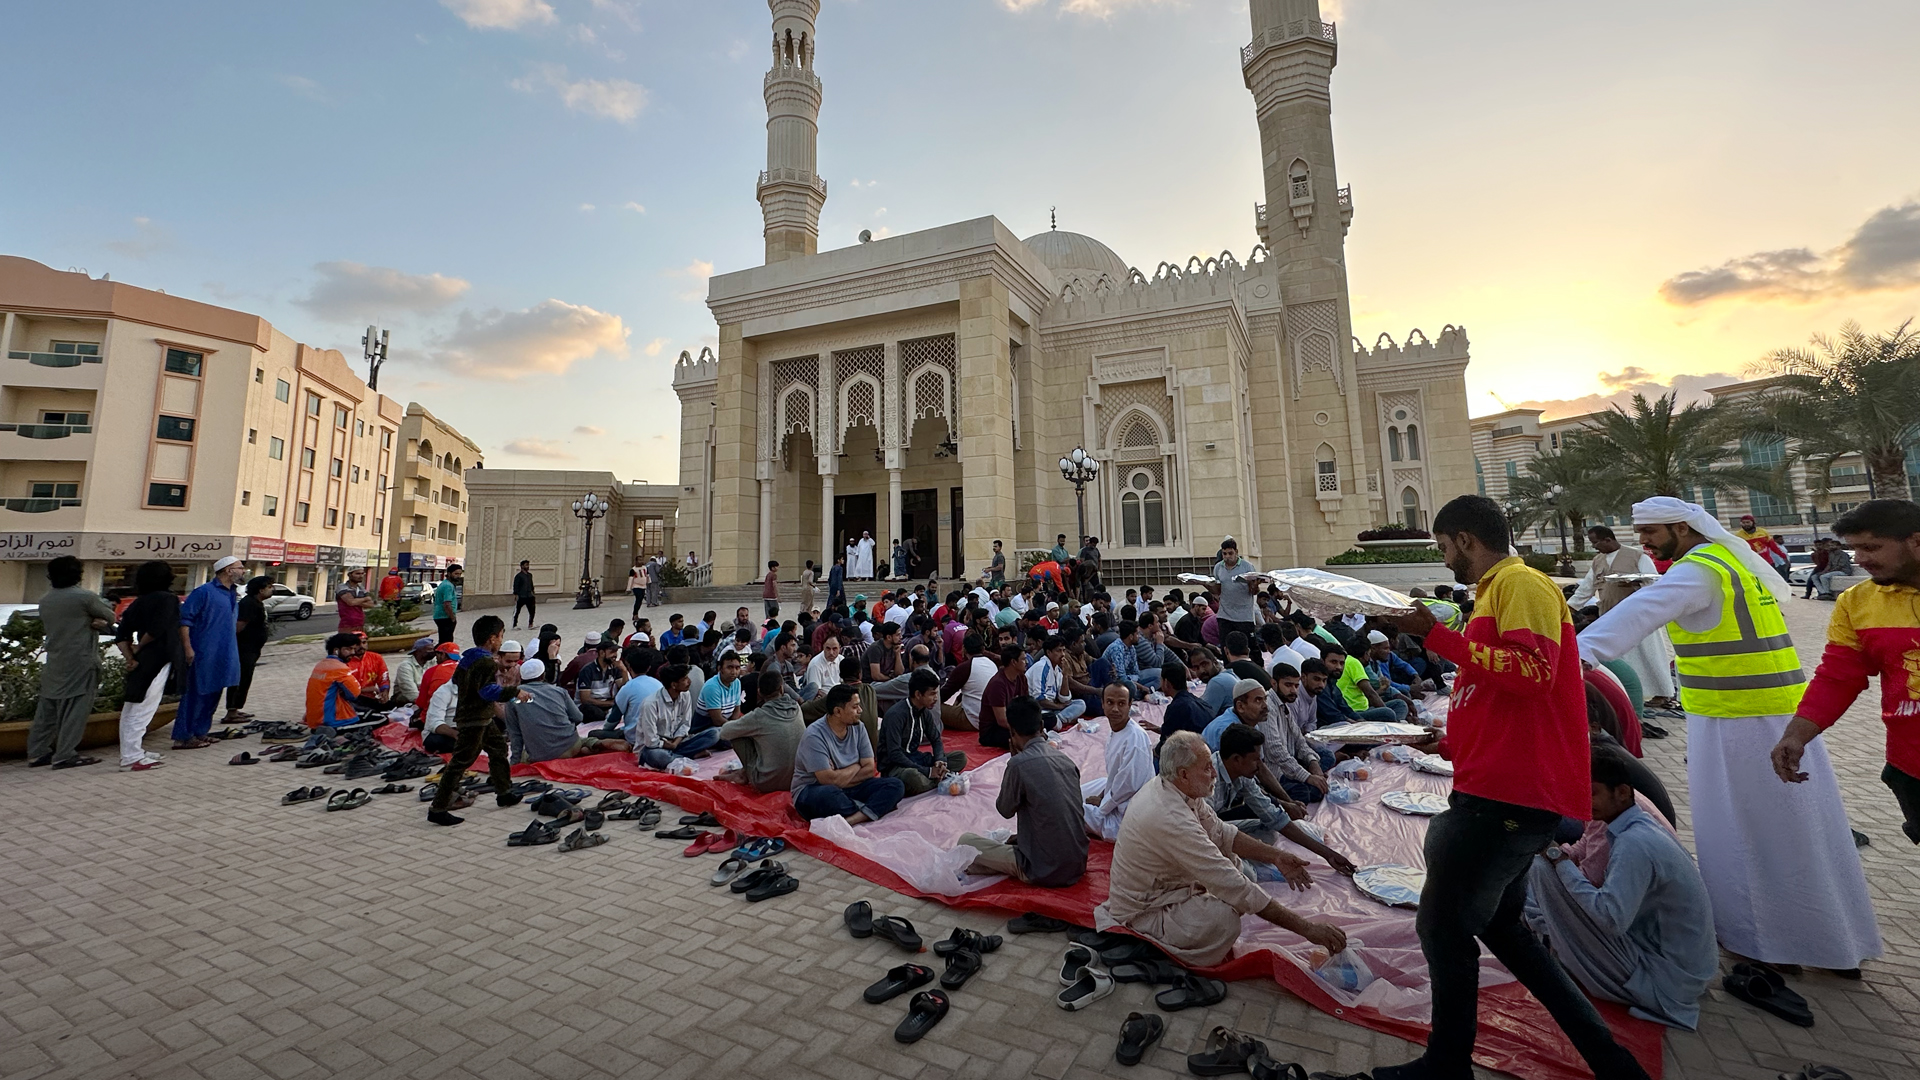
(531, 194)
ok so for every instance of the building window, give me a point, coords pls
(306, 457)
(270, 505)
(88, 349)
(246, 498)
(1326, 472)
(276, 447)
(1142, 513)
(166, 495)
(386, 440)
(1513, 470)
(302, 511)
(282, 390)
(338, 468)
(313, 404)
(253, 436)
(1413, 442)
(65, 419)
(341, 416)
(260, 375)
(333, 517)
(379, 524)
(353, 475)
(1764, 452)
(182, 362)
(360, 429)
(53, 490)
(175, 429)
(1480, 475)
(381, 481)
(1410, 515)
(1393, 444)
(1843, 507)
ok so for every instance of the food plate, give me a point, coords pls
(1391, 884)
(1433, 763)
(1195, 579)
(1637, 579)
(1325, 595)
(1419, 803)
(1370, 733)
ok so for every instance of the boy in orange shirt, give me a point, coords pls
(332, 686)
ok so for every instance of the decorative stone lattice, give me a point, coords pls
(930, 366)
(1312, 329)
(1116, 400)
(863, 406)
(801, 371)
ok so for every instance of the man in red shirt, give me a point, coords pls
(390, 585)
(1875, 630)
(1010, 683)
(1517, 733)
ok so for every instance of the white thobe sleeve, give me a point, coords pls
(1682, 592)
(1129, 773)
(1588, 586)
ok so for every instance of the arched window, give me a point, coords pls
(1410, 508)
(1393, 444)
(1143, 516)
(1299, 186)
(1413, 442)
(1326, 469)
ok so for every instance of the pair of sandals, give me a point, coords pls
(862, 923)
(303, 794)
(283, 752)
(535, 834)
(926, 1009)
(1763, 988)
(644, 811)
(349, 800)
(581, 838)
(1082, 981)
(1227, 1052)
(756, 849)
(768, 881)
(965, 951)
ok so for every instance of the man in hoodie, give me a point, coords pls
(910, 724)
(765, 738)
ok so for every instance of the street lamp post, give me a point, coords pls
(1560, 519)
(1080, 469)
(588, 508)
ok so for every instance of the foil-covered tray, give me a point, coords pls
(1391, 884)
(1370, 733)
(1418, 803)
(1433, 763)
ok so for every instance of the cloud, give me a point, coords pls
(623, 10)
(1622, 385)
(589, 429)
(545, 339)
(500, 14)
(1099, 9)
(586, 208)
(615, 99)
(699, 270)
(147, 239)
(1883, 253)
(351, 290)
(539, 448)
(304, 86)
(654, 347)
(856, 182)
(633, 206)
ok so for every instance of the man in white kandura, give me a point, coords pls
(1650, 660)
(1129, 765)
(860, 565)
(1780, 865)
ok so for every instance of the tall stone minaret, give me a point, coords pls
(791, 192)
(1288, 67)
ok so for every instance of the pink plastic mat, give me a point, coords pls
(904, 853)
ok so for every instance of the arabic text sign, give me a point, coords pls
(172, 547)
(39, 547)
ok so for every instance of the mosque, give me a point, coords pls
(925, 386)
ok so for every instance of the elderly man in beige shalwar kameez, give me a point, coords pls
(1176, 877)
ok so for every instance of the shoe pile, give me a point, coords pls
(928, 1007)
(1227, 1052)
(749, 850)
(280, 732)
(411, 765)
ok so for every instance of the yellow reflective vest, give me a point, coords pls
(1745, 665)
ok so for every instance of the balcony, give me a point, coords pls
(1298, 28)
(47, 431)
(54, 359)
(1847, 481)
(37, 506)
(46, 442)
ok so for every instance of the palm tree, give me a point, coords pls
(1561, 482)
(1659, 448)
(1857, 394)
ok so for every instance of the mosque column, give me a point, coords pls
(766, 517)
(826, 517)
(893, 506)
(985, 398)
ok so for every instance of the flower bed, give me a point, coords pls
(1380, 556)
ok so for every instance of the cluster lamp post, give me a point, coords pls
(588, 508)
(1080, 469)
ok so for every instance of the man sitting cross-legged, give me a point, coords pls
(909, 725)
(1041, 791)
(766, 738)
(1238, 796)
(1176, 879)
(664, 728)
(546, 727)
(1129, 765)
(1643, 935)
(833, 768)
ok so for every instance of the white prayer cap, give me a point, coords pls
(225, 561)
(532, 669)
(1375, 637)
(1667, 510)
(506, 646)
(1247, 686)
(593, 637)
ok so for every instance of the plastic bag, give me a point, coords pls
(956, 784)
(1350, 769)
(681, 767)
(1346, 969)
(1398, 755)
(1339, 791)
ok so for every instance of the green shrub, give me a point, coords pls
(22, 644)
(673, 574)
(1542, 562)
(386, 621)
(1380, 556)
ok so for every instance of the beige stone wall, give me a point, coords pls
(736, 491)
(986, 409)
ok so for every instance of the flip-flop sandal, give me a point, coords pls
(1131, 951)
(303, 794)
(1101, 939)
(1226, 1052)
(393, 789)
(1263, 1066)
(1078, 958)
(1092, 985)
(729, 870)
(684, 832)
(779, 886)
(539, 832)
(1031, 923)
(634, 810)
(611, 801)
(962, 965)
(571, 794)
(1137, 1032)
(899, 931)
(859, 919)
(926, 1010)
(704, 818)
(1158, 972)
(577, 839)
(1191, 992)
(767, 871)
(898, 981)
(428, 791)
(342, 800)
(284, 752)
(573, 816)
(649, 819)
(963, 938)
(1763, 990)
(1654, 731)
(756, 848)
(595, 819)
(244, 757)
(701, 842)
(530, 787)
(335, 770)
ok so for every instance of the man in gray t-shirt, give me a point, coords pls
(1041, 791)
(1237, 608)
(833, 767)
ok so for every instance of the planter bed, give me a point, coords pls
(103, 729)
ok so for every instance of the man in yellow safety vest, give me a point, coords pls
(1780, 866)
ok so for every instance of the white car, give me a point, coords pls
(1800, 567)
(284, 601)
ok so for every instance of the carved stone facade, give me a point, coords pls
(924, 386)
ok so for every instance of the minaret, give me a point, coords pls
(1288, 67)
(791, 192)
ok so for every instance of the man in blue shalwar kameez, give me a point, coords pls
(211, 647)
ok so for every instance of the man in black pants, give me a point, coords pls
(523, 595)
(476, 692)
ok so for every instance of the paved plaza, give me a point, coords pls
(183, 923)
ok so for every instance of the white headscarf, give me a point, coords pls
(1667, 510)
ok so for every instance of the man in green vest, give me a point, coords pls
(1780, 866)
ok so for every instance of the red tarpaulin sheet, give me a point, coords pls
(1516, 1035)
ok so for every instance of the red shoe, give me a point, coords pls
(699, 845)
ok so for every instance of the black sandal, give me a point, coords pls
(1191, 992)
(898, 981)
(900, 932)
(1226, 1052)
(76, 762)
(753, 879)
(962, 965)
(859, 919)
(1137, 1032)
(1763, 988)
(778, 885)
(926, 1010)
(1031, 923)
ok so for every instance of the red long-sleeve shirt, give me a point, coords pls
(1875, 630)
(1517, 722)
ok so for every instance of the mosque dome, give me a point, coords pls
(1069, 254)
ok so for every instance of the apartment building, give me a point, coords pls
(135, 425)
(429, 527)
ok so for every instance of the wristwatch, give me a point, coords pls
(1555, 853)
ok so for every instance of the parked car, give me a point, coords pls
(1800, 565)
(415, 592)
(283, 602)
